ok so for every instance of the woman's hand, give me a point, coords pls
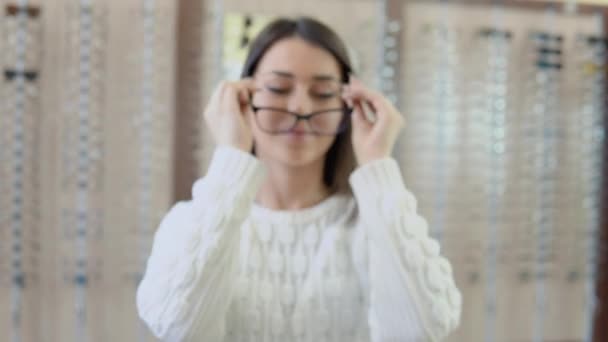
(372, 139)
(228, 112)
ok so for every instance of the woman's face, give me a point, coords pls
(296, 76)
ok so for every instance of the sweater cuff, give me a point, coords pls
(376, 179)
(234, 168)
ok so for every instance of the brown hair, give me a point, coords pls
(340, 159)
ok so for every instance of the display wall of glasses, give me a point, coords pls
(20, 207)
(86, 125)
(503, 150)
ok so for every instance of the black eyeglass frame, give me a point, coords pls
(344, 121)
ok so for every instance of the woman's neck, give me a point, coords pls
(292, 188)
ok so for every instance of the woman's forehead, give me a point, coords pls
(296, 58)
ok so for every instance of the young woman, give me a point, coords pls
(302, 228)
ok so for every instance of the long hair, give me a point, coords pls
(340, 159)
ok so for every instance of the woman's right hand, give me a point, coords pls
(228, 112)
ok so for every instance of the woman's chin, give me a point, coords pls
(296, 157)
(296, 153)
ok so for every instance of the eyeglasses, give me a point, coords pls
(29, 75)
(14, 10)
(323, 122)
(276, 119)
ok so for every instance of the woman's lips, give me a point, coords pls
(297, 136)
(298, 132)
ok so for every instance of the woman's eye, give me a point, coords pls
(277, 90)
(325, 95)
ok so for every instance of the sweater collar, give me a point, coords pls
(328, 210)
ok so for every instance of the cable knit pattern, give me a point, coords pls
(402, 256)
(360, 268)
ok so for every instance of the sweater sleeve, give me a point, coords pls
(412, 293)
(186, 289)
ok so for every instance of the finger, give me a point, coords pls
(217, 93)
(367, 108)
(368, 112)
(347, 98)
(380, 105)
(230, 100)
(359, 118)
(358, 96)
(363, 93)
(246, 87)
(243, 96)
(345, 88)
(377, 115)
(386, 113)
(215, 99)
(248, 83)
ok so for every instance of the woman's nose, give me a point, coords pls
(300, 102)
(301, 126)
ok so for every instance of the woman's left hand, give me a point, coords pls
(371, 139)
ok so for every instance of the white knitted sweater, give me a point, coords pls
(223, 268)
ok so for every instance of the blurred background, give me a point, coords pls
(505, 149)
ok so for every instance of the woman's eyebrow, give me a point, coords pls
(323, 77)
(318, 77)
(282, 73)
